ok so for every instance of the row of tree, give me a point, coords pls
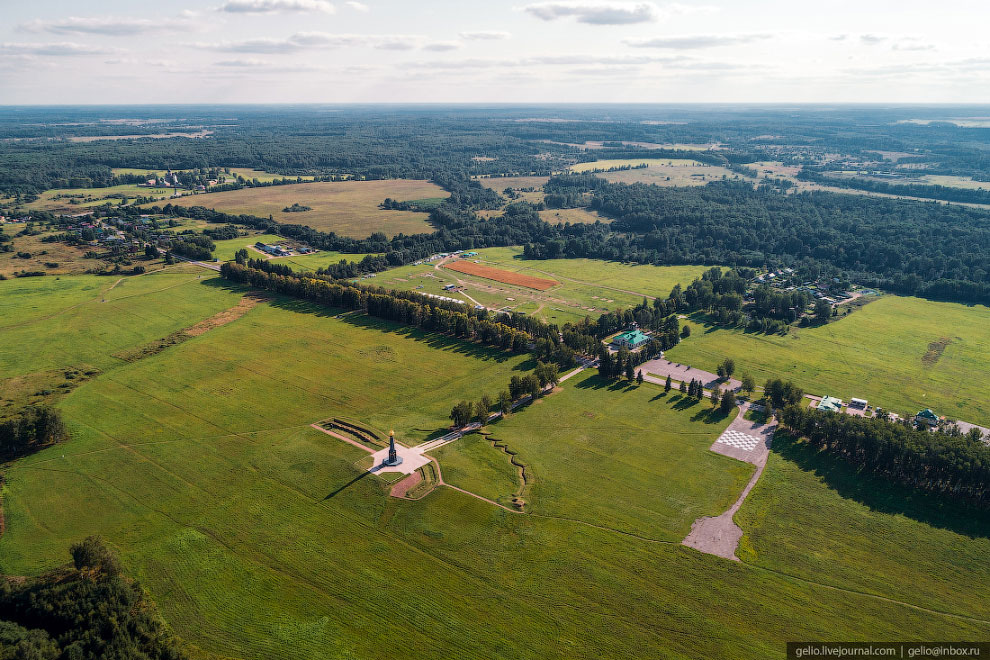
(956, 466)
(531, 385)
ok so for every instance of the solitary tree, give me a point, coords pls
(461, 413)
(730, 366)
(715, 396)
(639, 377)
(505, 402)
(667, 385)
(685, 332)
(482, 408)
(728, 402)
(683, 388)
(630, 371)
(822, 310)
(748, 384)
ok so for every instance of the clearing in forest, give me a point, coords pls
(349, 208)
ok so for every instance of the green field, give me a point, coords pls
(587, 287)
(59, 200)
(886, 352)
(622, 457)
(809, 512)
(199, 466)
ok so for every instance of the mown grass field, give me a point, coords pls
(881, 352)
(587, 287)
(661, 171)
(349, 208)
(257, 537)
(624, 457)
(810, 512)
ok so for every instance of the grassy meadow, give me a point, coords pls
(198, 464)
(902, 354)
(623, 457)
(815, 517)
(349, 208)
(587, 286)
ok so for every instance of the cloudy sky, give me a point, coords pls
(338, 51)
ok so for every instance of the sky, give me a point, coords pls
(488, 51)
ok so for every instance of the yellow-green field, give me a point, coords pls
(661, 171)
(348, 208)
(903, 354)
(588, 287)
(573, 216)
(59, 200)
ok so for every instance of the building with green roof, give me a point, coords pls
(927, 417)
(630, 339)
(831, 404)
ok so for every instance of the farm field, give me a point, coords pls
(199, 466)
(903, 354)
(661, 171)
(69, 259)
(348, 208)
(587, 286)
(809, 512)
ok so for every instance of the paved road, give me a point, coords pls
(204, 264)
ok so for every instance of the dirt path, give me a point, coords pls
(743, 440)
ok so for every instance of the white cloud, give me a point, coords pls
(108, 26)
(443, 45)
(689, 42)
(357, 6)
(595, 12)
(242, 62)
(63, 49)
(871, 39)
(485, 35)
(275, 6)
(315, 40)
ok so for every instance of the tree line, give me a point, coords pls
(929, 191)
(941, 463)
(33, 429)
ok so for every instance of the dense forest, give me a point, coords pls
(925, 249)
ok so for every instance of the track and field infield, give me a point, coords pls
(499, 275)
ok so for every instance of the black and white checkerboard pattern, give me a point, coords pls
(739, 440)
